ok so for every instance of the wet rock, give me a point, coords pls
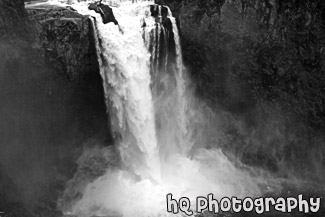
(160, 2)
(105, 11)
(158, 9)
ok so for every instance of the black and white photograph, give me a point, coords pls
(162, 108)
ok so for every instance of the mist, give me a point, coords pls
(44, 121)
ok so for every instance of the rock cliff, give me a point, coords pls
(273, 50)
(261, 62)
(12, 19)
(65, 38)
(52, 104)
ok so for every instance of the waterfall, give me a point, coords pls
(141, 84)
(126, 76)
(152, 121)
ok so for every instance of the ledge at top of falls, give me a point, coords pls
(66, 39)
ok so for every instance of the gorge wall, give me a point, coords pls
(262, 64)
(270, 46)
(51, 104)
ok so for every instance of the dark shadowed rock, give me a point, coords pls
(262, 62)
(52, 102)
(274, 49)
(105, 11)
(12, 19)
(65, 39)
(160, 2)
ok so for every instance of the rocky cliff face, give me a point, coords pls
(66, 41)
(263, 63)
(269, 47)
(12, 18)
(52, 104)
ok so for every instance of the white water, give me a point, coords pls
(152, 116)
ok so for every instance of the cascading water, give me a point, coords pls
(151, 117)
